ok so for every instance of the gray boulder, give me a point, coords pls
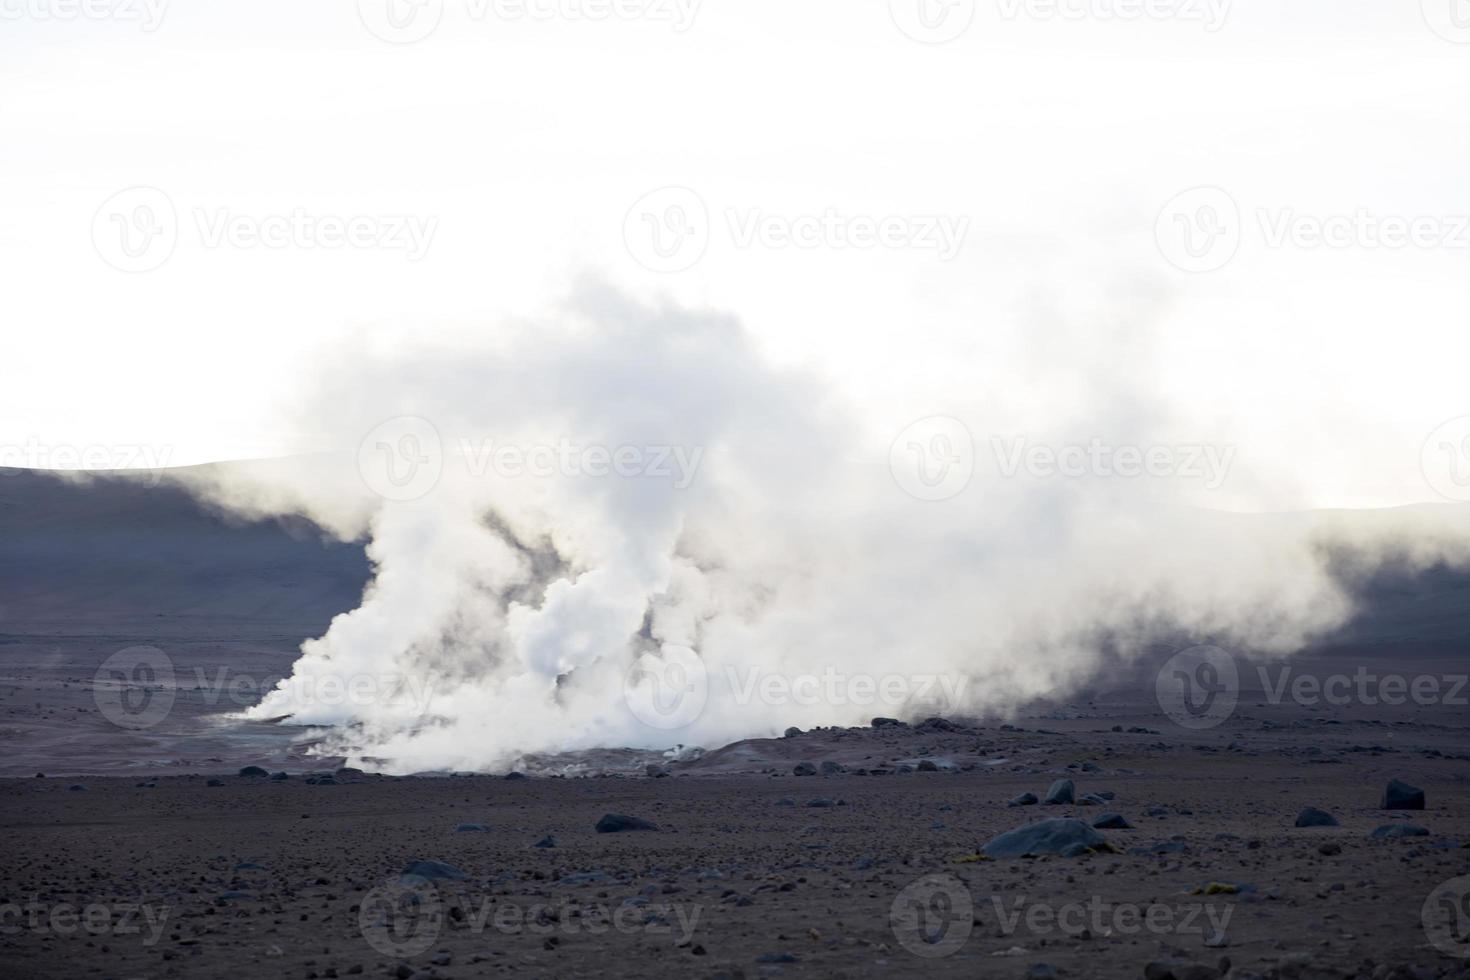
(617, 823)
(1393, 830)
(1046, 837)
(1313, 817)
(1061, 792)
(1398, 795)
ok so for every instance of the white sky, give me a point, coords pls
(529, 141)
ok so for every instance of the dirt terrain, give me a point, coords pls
(143, 852)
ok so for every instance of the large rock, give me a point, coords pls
(1398, 830)
(617, 823)
(1045, 837)
(1399, 795)
(254, 772)
(804, 769)
(1313, 817)
(1061, 792)
(1112, 821)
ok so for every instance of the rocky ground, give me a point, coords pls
(756, 871)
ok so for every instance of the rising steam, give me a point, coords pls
(753, 530)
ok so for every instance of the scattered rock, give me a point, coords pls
(1061, 792)
(804, 769)
(1044, 837)
(279, 777)
(515, 775)
(254, 772)
(1025, 799)
(1111, 821)
(830, 768)
(927, 765)
(1392, 830)
(616, 823)
(792, 732)
(1399, 795)
(1313, 817)
(215, 782)
(888, 723)
(547, 841)
(1329, 849)
(471, 828)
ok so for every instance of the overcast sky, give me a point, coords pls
(952, 209)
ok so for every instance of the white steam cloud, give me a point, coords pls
(623, 485)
